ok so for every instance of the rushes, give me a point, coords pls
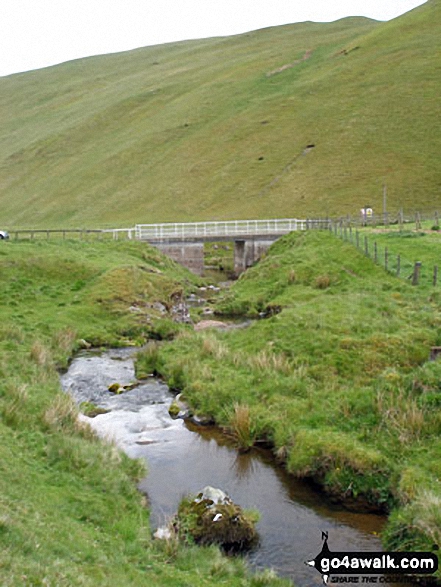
(242, 427)
(213, 347)
(13, 408)
(61, 414)
(268, 361)
(429, 524)
(402, 416)
(64, 340)
(417, 525)
(41, 354)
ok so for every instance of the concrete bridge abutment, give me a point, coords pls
(190, 255)
(247, 252)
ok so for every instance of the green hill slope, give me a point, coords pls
(218, 128)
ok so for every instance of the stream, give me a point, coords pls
(183, 458)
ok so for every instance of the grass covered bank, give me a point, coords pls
(70, 514)
(337, 378)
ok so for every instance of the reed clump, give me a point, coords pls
(242, 427)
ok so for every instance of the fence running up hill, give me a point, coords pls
(392, 262)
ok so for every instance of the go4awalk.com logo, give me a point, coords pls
(358, 565)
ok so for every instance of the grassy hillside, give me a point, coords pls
(218, 128)
(337, 378)
(70, 514)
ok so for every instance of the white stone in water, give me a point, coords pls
(163, 533)
(217, 496)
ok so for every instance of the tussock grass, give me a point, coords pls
(417, 525)
(268, 361)
(322, 281)
(61, 414)
(403, 416)
(65, 339)
(13, 408)
(291, 276)
(41, 354)
(213, 347)
(242, 426)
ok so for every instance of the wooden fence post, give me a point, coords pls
(375, 252)
(398, 265)
(416, 273)
(357, 239)
(386, 259)
(417, 221)
(366, 246)
(435, 275)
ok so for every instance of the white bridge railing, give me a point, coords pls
(230, 228)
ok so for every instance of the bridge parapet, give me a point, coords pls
(218, 229)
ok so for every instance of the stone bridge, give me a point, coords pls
(184, 242)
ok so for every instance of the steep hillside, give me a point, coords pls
(219, 128)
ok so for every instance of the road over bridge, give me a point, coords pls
(184, 242)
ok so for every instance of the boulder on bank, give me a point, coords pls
(178, 408)
(213, 518)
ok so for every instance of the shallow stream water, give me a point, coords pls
(182, 458)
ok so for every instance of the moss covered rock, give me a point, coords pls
(91, 410)
(213, 518)
(174, 409)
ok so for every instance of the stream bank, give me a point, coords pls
(182, 458)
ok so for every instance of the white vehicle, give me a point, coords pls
(3, 234)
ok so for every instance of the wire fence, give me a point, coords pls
(73, 233)
(394, 263)
(399, 219)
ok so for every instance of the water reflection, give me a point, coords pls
(183, 459)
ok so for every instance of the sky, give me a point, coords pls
(39, 33)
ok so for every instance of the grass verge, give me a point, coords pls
(70, 514)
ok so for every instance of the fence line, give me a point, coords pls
(81, 233)
(393, 263)
(389, 219)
